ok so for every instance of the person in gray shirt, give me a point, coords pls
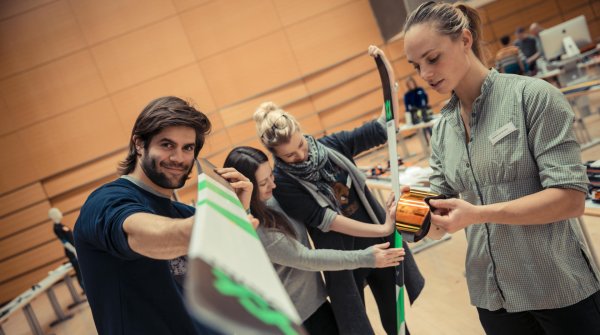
(505, 152)
(286, 242)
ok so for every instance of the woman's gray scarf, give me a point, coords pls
(329, 160)
(317, 169)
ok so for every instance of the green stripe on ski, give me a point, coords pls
(252, 302)
(232, 217)
(205, 184)
(388, 111)
(400, 298)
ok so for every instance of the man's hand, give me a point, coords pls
(242, 185)
(373, 51)
(454, 214)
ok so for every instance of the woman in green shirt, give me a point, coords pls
(504, 150)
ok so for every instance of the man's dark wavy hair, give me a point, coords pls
(159, 114)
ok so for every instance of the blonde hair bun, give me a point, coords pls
(274, 125)
(263, 111)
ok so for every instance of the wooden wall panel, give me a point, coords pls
(23, 44)
(596, 7)
(540, 12)
(66, 141)
(216, 121)
(106, 166)
(16, 286)
(216, 142)
(23, 219)
(242, 132)
(253, 142)
(506, 26)
(49, 90)
(342, 113)
(595, 29)
(395, 49)
(311, 125)
(40, 256)
(220, 25)
(21, 198)
(500, 9)
(16, 163)
(186, 83)
(488, 34)
(143, 54)
(333, 36)
(113, 17)
(57, 144)
(586, 10)
(403, 69)
(339, 74)
(291, 11)
(13, 8)
(354, 123)
(183, 5)
(244, 111)
(347, 91)
(567, 5)
(300, 108)
(73, 200)
(230, 77)
(27, 239)
(483, 15)
(218, 158)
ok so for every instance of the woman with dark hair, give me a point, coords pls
(505, 153)
(286, 243)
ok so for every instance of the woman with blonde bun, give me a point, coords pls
(505, 154)
(319, 185)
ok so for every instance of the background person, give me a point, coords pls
(535, 30)
(416, 102)
(510, 59)
(528, 46)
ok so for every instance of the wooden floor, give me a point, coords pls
(442, 308)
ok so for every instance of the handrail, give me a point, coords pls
(26, 297)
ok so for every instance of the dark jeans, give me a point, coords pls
(322, 321)
(345, 288)
(582, 318)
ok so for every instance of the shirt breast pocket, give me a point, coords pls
(506, 152)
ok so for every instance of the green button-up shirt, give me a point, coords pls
(521, 142)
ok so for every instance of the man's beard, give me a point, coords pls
(151, 168)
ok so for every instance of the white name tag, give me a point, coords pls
(502, 132)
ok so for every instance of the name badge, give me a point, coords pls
(502, 132)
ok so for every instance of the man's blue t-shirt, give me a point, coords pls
(128, 293)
